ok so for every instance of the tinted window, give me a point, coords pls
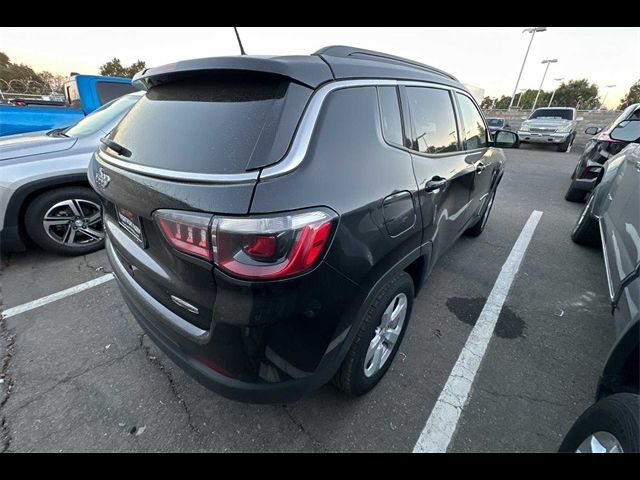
(563, 113)
(475, 131)
(102, 118)
(205, 124)
(495, 122)
(107, 91)
(434, 122)
(390, 113)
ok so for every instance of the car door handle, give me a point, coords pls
(480, 167)
(436, 183)
(638, 166)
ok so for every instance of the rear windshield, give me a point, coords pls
(553, 113)
(205, 124)
(495, 122)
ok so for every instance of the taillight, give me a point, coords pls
(271, 246)
(186, 232)
(257, 247)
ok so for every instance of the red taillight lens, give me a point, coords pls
(271, 247)
(187, 232)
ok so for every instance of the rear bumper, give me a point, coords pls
(532, 137)
(272, 351)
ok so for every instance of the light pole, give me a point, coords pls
(606, 93)
(548, 62)
(554, 90)
(532, 31)
(522, 90)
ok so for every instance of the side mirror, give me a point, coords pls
(523, 118)
(627, 131)
(593, 130)
(579, 119)
(505, 139)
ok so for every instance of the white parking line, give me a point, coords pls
(25, 307)
(443, 421)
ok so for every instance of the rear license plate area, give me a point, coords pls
(131, 223)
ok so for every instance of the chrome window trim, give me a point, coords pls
(109, 161)
(303, 135)
(297, 152)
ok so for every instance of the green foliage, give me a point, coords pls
(577, 93)
(114, 68)
(632, 96)
(16, 71)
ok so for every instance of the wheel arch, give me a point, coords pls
(620, 373)
(24, 195)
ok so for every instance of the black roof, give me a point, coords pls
(329, 63)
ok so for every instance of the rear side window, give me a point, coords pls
(475, 130)
(211, 125)
(390, 114)
(434, 121)
(108, 91)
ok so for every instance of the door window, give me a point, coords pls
(475, 130)
(434, 121)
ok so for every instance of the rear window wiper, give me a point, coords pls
(116, 147)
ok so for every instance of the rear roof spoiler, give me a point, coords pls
(311, 71)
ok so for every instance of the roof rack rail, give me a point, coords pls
(346, 51)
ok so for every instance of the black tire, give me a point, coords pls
(617, 415)
(350, 377)
(587, 231)
(477, 228)
(574, 195)
(566, 145)
(34, 216)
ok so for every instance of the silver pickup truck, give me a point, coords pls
(555, 126)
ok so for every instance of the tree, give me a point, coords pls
(503, 102)
(577, 93)
(54, 82)
(16, 71)
(487, 102)
(632, 96)
(114, 68)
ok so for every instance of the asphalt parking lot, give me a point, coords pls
(79, 375)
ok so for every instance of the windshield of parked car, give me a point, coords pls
(103, 116)
(562, 113)
(495, 122)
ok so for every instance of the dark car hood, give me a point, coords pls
(33, 143)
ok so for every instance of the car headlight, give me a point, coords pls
(524, 127)
(563, 129)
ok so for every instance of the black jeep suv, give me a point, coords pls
(270, 219)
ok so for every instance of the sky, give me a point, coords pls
(486, 57)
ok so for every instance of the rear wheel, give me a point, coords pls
(587, 231)
(379, 337)
(66, 220)
(610, 426)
